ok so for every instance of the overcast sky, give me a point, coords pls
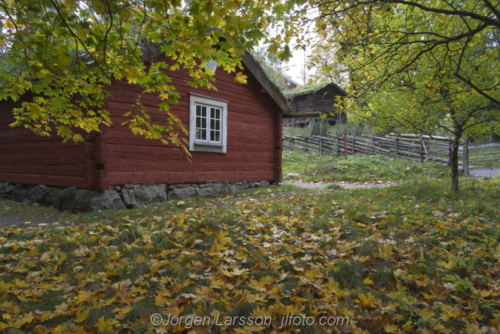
(295, 66)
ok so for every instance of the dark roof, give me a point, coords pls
(311, 89)
(274, 92)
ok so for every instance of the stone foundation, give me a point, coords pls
(117, 197)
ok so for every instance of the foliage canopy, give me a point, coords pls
(66, 53)
(417, 66)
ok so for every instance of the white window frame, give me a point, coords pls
(207, 145)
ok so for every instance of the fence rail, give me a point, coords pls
(412, 147)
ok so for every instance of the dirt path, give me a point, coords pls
(485, 171)
(306, 185)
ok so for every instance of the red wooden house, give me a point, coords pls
(235, 135)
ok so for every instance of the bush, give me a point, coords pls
(320, 127)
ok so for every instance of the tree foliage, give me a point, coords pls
(419, 66)
(326, 65)
(68, 52)
(273, 66)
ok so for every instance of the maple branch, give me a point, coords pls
(488, 20)
(492, 8)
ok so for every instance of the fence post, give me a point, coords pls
(396, 142)
(320, 144)
(373, 145)
(465, 158)
(337, 137)
(345, 143)
(354, 143)
(449, 152)
(421, 149)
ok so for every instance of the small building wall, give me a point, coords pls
(117, 157)
(322, 100)
(253, 138)
(31, 159)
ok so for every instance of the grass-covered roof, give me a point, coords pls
(309, 89)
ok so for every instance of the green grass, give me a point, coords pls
(494, 154)
(313, 167)
(409, 258)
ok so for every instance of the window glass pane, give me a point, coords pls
(215, 136)
(215, 113)
(201, 122)
(201, 110)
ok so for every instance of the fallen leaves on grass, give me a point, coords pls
(395, 268)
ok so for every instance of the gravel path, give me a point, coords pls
(343, 185)
(484, 171)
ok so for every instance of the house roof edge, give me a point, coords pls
(270, 87)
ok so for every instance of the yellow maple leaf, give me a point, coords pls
(20, 284)
(223, 238)
(102, 324)
(408, 326)
(439, 328)
(61, 309)
(241, 78)
(368, 281)
(367, 300)
(390, 328)
(4, 286)
(425, 313)
(83, 296)
(82, 315)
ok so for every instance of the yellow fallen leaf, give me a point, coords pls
(82, 315)
(408, 326)
(368, 281)
(390, 328)
(426, 314)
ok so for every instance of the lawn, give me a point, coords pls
(411, 258)
(313, 167)
(485, 153)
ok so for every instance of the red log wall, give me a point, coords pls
(253, 138)
(31, 159)
(117, 157)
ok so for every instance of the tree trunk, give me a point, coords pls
(455, 145)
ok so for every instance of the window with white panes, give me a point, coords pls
(208, 128)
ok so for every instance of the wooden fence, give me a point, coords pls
(412, 147)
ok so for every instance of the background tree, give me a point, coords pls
(274, 67)
(68, 52)
(327, 67)
(419, 65)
